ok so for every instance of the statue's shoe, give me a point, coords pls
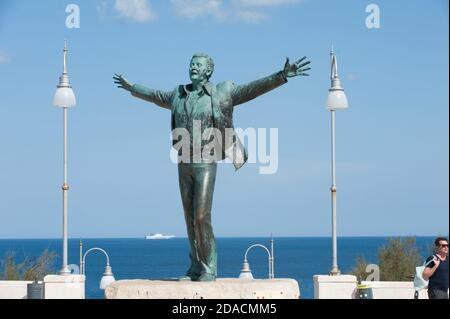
(190, 276)
(206, 277)
(184, 278)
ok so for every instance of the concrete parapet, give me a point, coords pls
(345, 287)
(394, 290)
(13, 289)
(226, 288)
(64, 287)
(334, 287)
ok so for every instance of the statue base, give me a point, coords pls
(223, 288)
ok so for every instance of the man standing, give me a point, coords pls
(437, 271)
(203, 105)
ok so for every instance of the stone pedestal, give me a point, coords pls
(394, 290)
(226, 288)
(345, 287)
(13, 289)
(334, 287)
(64, 287)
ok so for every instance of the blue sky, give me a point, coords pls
(392, 143)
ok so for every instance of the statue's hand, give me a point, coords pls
(295, 69)
(121, 82)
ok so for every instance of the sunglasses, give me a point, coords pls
(445, 245)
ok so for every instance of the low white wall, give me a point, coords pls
(222, 288)
(334, 287)
(13, 289)
(394, 290)
(55, 287)
(64, 287)
(344, 287)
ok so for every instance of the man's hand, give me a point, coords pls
(122, 82)
(436, 261)
(298, 68)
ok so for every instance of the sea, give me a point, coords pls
(299, 258)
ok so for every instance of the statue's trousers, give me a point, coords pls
(197, 187)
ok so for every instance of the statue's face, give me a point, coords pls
(198, 70)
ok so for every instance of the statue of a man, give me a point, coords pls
(201, 104)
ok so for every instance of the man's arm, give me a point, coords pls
(160, 98)
(244, 93)
(431, 268)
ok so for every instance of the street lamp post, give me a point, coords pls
(65, 98)
(108, 276)
(337, 100)
(246, 273)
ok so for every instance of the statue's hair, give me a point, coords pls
(209, 60)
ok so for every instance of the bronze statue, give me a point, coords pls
(201, 103)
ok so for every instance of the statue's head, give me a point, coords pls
(201, 67)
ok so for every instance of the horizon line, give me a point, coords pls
(185, 237)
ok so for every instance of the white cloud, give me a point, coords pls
(4, 58)
(264, 3)
(250, 11)
(251, 16)
(102, 7)
(196, 8)
(136, 10)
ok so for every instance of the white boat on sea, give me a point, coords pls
(159, 236)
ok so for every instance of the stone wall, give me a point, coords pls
(344, 287)
(55, 287)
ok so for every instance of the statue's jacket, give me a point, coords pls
(224, 97)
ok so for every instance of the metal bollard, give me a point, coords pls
(364, 292)
(35, 290)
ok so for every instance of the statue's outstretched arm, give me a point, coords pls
(246, 92)
(160, 98)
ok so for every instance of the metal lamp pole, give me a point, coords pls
(246, 272)
(65, 189)
(336, 100)
(65, 98)
(334, 266)
(108, 276)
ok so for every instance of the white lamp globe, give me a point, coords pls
(108, 278)
(337, 100)
(64, 97)
(246, 273)
(106, 281)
